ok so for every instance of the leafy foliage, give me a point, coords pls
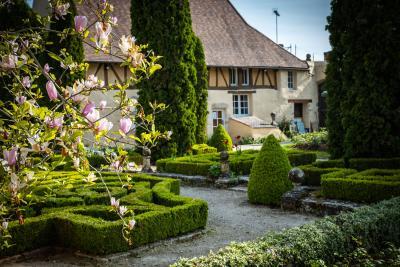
(324, 241)
(198, 149)
(311, 141)
(269, 174)
(362, 79)
(221, 139)
(181, 84)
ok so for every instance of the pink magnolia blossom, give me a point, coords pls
(10, 156)
(20, 99)
(123, 210)
(169, 133)
(55, 123)
(88, 108)
(102, 104)
(51, 90)
(80, 23)
(103, 31)
(4, 225)
(9, 62)
(61, 10)
(26, 82)
(131, 224)
(114, 20)
(93, 116)
(114, 203)
(115, 165)
(125, 125)
(104, 125)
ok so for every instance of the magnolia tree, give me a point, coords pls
(31, 134)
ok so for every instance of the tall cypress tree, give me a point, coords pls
(167, 27)
(201, 88)
(369, 76)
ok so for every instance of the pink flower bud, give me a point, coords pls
(125, 125)
(9, 62)
(55, 123)
(46, 68)
(80, 23)
(102, 104)
(93, 116)
(131, 224)
(10, 156)
(51, 90)
(104, 125)
(88, 108)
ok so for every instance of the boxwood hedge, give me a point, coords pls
(323, 239)
(78, 216)
(239, 162)
(366, 186)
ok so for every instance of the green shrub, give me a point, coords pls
(311, 141)
(97, 160)
(323, 240)
(297, 158)
(361, 187)
(221, 139)
(203, 149)
(372, 163)
(333, 163)
(134, 156)
(269, 174)
(74, 218)
(312, 174)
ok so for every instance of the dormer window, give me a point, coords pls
(233, 77)
(245, 76)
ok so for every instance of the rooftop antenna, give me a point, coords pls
(275, 11)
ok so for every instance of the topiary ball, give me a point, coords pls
(269, 174)
(221, 139)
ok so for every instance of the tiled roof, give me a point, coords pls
(228, 40)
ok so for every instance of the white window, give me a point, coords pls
(233, 77)
(245, 75)
(290, 80)
(218, 118)
(241, 105)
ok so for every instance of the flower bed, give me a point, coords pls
(325, 240)
(80, 217)
(239, 162)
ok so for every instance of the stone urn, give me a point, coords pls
(224, 161)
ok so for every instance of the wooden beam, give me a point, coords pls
(115, 73)
(276, 79)
(223, 76)
(216, 76)
(258, 74)
(263, 74)
(208, 75)
(98, 68)
(269, 78)
(105, 74)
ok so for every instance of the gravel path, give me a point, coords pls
(231, 218)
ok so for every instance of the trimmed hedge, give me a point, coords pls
(312, 174)
(199, 149)
(269, 175)
(361, 164)
(370, 186)
(239, 162)
(323, 239)
(74, 218)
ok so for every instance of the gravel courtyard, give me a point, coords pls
(231, 218)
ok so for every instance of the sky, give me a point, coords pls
(301, 23)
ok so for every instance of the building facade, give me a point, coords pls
(249, 75)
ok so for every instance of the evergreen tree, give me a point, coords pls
(368, 41)
(167, 27)
(201, 92)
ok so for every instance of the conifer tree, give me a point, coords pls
(167, 27)
(366, 41)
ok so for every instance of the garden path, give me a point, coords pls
(231, 218)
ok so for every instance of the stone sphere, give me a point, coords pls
(224, 155)
(296, 175)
